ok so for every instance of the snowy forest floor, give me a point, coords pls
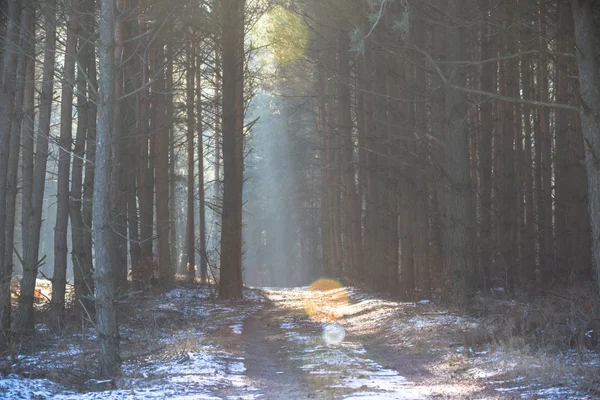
(185, 344)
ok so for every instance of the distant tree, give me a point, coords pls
(59, 279)
(80, 196)
(190, 240)
(161, 153)
(455, 188)
(201, 186)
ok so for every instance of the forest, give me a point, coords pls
(358, 199)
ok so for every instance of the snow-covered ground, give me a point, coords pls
(340, 343)
(168, 348)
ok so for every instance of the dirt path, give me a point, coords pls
(186, 345)
(286, 358)
(267, 363)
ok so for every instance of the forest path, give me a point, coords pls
(267, 364)
(285, 356)
(185, 344)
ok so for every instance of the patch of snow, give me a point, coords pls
(511, 389)
(287, 325)
(405, 394)
(442, 319)
(237, 328)
(14, 387)
(322, 372)
(389, 381)
(237, 368)
(553, 393)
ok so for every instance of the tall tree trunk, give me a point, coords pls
(161, 151)
(230, 284)
(218, 137)
(456, 189)
(59, 279)
(129, 153)
(26, 44)
(352, 239)
(118, 189)
(132, 159)
(77, 228)
(27, 53)
(145, 172)
(378, 194)
(28, 134)
(508, 83)
(582, 261)
(172, 159)
(589, 81)
(87, 261)
(529, 260)
(33, 206)
(324, 177)
(562, 226)
(391, 144)
(544, 165)
(108, 332)
(361, 128)
(369, 176)
(201, 189)
(81, 253)
(190, 239)
(7, 97)
(422, 240)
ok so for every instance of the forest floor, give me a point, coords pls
(293, 344)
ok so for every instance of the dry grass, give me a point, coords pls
(548, 341)
(556, 322)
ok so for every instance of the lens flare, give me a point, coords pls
(325, 300)
(333, 334)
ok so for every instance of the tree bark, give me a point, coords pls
(7, 97)
(201, 189)
(118, 188)
(352, 237)
(422, 240)
(456, 188)
(108, 332)
(33, 206)
(190, 239)
(59, 278)
(587, 48)
(230, 284)
(529, 239)
(172, 158)
(544, 165)
(87, 261)
(145, 170)
(161, 151)
(27, 158)
(79, 231)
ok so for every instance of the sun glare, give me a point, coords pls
(325, 300)
(286, 34)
